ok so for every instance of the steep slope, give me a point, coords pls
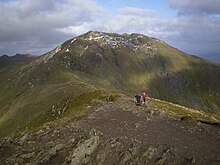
(135, 62)
(33, 95)
(62, 82)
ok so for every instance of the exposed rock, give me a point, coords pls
(28, 155)
(137, 125)
(114, 142)
(59, 147)
(39, 132)
(23, 139)
(71, 141)
(83, 152)
(126, 157)
(167, 157)
(31, 142)
(45, 156)
(150, 153)
(51, 144)
(8, 140)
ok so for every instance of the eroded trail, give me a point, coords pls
(117, 133)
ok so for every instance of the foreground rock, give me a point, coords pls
(116, 133)
(82, 153)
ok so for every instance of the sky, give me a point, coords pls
(38, 26)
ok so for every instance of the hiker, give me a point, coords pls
(144, 98)
(137, 99)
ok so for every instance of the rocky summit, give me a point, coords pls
(135, 62)
(74, 104)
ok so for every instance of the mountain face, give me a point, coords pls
(135, 63)
(63, 81)
(6, 61)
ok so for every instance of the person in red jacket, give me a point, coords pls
(144, 98)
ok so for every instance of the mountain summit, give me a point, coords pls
(134, 63)
(67, 78)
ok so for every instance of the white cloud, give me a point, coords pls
(132, 11)
(198, 27)
(39, 26)
(42, 22)
(195, 6)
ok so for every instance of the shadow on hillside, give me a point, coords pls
(157, 63)
(196, 87)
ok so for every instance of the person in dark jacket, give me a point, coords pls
(137, 99)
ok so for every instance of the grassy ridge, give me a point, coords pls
(182, 112)
(31, 91)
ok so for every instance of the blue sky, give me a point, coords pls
(112, 5)
(38, 26)
(157, 5)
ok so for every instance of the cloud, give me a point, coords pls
(39, 26)
(28, 24)
(198, 27)
(137, 20)
(196, 6)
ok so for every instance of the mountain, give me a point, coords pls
(97, 66)
(135, 63)
(6, 61)
(74, 104)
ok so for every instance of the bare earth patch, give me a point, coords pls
(117, 133)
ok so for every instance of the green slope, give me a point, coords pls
(28, 93)
(64, 81)
(132, 63)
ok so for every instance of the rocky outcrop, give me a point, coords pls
(115, 133)
(82, 153)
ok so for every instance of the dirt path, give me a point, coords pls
(127, 122)
(117, 133)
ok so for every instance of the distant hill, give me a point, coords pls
(6, 61)
(71, 76)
